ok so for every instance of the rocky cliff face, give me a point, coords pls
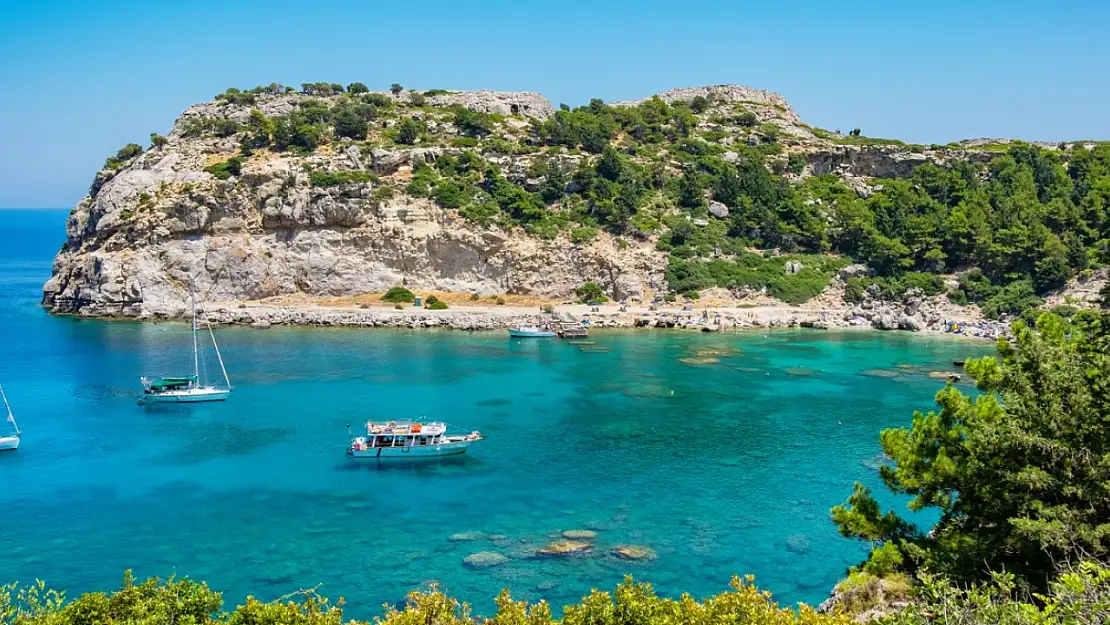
(155, 222)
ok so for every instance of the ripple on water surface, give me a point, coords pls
(680, 458)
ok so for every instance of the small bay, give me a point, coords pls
(721, 453)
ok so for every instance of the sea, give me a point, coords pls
(722, 453)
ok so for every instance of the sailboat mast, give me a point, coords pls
(11, 417)
(196, 355)
(217, 348)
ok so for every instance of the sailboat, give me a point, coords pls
(10, 442)
(188, 388)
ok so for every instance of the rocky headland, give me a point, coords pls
(329, 193)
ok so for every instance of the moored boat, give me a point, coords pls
(409, 439)
(187, 389)
(531, 331)
(9, 442)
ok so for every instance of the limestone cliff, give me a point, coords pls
(341, 218)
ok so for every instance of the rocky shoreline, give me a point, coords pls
(715, 319)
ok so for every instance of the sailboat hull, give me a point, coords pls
(9, 443)
(186, 396)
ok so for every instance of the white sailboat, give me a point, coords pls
(188, 388)
(9, 442)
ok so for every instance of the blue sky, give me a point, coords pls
(81, 79)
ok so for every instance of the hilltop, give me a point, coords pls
(330, 191)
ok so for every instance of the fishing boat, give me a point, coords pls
(187, 389)
(530, 331)
(9, 442)
(408, 439)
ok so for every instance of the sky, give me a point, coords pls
(81, 79)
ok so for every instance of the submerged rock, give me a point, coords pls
(881, 373)
(716, 352)
(546, 585)
(634, 552)
(467, 536)
(565, 548)
(798, 544)
(802, 372)
(951, 376)
(579, 535)
(699, 360)
(484, 559)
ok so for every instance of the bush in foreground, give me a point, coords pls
(1078, 596)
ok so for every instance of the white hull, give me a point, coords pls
(9, 443)
(187, 396)
(413, 451)
(526, 334)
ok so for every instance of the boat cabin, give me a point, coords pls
(162, 385)
(401, 434)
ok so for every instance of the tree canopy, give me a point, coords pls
(1018, 475)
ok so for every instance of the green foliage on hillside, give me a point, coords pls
(1028, 221)
(123, 156)
(398, 295)
(336, 178)
(226, 169)
(1016, 475)
(756, 272)
(591, 292)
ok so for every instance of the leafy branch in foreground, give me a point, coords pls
(1017, 475)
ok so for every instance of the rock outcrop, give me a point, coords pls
(343, 219)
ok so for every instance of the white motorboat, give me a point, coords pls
(9, 442)
(409, 439)
(530, 331)
(187, 389)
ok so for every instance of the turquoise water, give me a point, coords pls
(722, 468)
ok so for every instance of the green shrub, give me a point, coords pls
(438, 305)
(756, 272)
(357, 87)
(450, 195)
(431, 93)
(590, 292)
(157, 140)
(235, 96)
(417, 99)
(584, 234)
(473, 123)
(796, 163)
(396, 88)
(226, 169)
(474, 297)
(1012, 299)
(380, 100)
(125, 154)
(408, 131)
(398, 295)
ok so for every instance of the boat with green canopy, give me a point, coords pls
(187, 388)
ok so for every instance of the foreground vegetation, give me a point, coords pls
(1078, 596)
(1019, 476)
(1027, 221)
